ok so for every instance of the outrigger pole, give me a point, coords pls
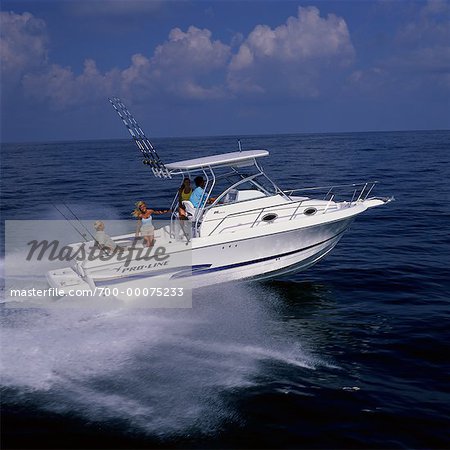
(151, 157)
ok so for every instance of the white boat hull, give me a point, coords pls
(261, 257)
(267, 256)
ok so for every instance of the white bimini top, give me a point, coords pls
(225, 159)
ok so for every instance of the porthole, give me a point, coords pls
(269, 217)
(309, 211)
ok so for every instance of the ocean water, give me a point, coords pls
(352, 353)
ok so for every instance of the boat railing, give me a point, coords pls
(278, 209)
(359, 191)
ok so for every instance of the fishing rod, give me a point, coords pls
(71, 224)
(151, 157)
(82, 224)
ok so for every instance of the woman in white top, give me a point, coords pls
(145, 224)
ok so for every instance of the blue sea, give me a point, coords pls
(352, 353)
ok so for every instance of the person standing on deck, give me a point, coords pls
(145, 224)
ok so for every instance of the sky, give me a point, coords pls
(202, 68)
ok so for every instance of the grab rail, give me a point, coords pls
(331, 188)
(361, 197)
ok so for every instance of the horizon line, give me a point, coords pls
(237, 136)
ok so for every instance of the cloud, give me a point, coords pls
(419, 56)
(292, 59)
(194, 46)
(23, 44)
(436, 7)
(182, 65)
(289, 58)
(430, 26)
(62, 88)
(179, 67)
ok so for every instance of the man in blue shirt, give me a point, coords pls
(198, 196)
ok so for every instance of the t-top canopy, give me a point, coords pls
(225, 159)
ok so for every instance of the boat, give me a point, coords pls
(249, 229)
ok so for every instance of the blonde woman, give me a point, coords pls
(145, 224)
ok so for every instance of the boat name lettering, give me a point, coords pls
(124, 268)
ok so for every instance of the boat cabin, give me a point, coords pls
(230, 180)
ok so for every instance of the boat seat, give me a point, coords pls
(190, 210)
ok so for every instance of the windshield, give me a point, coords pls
(234, 187)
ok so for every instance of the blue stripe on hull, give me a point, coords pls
(255, 261)
(202, 269)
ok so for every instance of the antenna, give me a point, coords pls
(151, 157)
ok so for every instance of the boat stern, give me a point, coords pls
(66, 281)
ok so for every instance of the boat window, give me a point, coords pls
(254, 185)
(245, 185)
(269, 217)
(263, 184)
(309, 211)
(244, 191)
(231, 196)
